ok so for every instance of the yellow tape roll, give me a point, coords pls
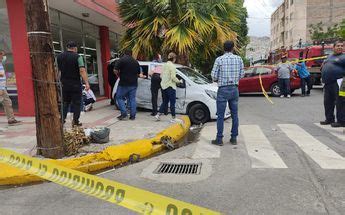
(135, 199)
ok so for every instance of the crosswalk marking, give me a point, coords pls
(325, 157)
(261, 152)
(204, 149)
(337, 132)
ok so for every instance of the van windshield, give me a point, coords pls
(194, 76)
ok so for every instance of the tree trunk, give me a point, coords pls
(48, 125)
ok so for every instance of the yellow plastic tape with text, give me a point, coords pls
(135, 199)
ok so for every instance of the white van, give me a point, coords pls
(196, 97)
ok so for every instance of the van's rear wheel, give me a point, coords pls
(275, 89)
(199, 113)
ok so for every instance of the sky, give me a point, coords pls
(259, 13)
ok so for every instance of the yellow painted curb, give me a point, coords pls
(110, 157)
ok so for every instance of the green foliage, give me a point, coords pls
(195, 29)
(319, 34)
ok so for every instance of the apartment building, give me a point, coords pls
(291, 20)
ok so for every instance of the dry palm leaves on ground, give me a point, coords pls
(74, 139)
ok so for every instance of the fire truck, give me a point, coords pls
(314, 66)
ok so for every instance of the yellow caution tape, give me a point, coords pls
(135, 199)
(264, 91)
(296, 61)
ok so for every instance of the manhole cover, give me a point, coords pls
(179, 168)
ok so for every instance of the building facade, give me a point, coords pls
(94, 25)
(291, 20)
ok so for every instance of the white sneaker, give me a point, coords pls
(175, 120)
(288, 96)
(281, 96)
(157, 117)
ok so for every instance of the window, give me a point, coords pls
(249, 72)
(263, 71)
(145, 70)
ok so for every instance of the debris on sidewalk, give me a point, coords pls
(74, 140)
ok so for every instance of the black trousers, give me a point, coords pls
(330, 96)
(341, 109)
(112, 85)
(284, 85)
(71, 95)
(306, 81)
(155, 87)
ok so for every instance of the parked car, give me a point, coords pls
(251, 83)
(196, 96)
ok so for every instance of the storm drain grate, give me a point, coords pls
(176, 168)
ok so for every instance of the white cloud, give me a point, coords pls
(259, 13)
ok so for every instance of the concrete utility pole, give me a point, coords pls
(49, 131)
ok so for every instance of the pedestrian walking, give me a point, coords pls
(284, 70)
(304, 75)
(155, 74)
(227, 71)
(333, 69)
(168, 84)
(4, 98)
(128, 70)
(72, 68)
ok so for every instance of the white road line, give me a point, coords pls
(260, 151)
(320, 153)
(204, 149)
(337, 132)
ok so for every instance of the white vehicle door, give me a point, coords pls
(181, 95)
(143, 91)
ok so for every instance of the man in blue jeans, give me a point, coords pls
(128, 70)
(227, 71)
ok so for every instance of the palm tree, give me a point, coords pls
(183, 26)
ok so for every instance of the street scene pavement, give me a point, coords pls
(284, 163)
(22, 138)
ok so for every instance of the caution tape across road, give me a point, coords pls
(132, 198)
(296, 61)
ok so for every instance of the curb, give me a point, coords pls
(111, 156)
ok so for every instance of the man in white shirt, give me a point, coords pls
(4, 98)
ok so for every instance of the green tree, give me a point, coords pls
(341, 30)
(187, 27)
(319, 34)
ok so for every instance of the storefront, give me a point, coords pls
(94, 25)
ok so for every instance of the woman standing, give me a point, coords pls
(168, 85)
(155, 74)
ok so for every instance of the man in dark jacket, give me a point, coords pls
(332, 69)
(111, 79)
(128, 70)
(72, 67)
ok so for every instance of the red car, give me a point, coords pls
(251, 82)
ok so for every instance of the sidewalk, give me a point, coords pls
(22, 138)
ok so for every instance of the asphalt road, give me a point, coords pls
(284, 163)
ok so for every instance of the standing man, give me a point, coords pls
(304, 74)
(128, 70)
(332, 69)
(227, 71)
(284, 69)
(4, 98)
(72, 67)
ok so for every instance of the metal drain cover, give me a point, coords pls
(178, 168)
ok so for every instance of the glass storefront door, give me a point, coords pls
(5, 45)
